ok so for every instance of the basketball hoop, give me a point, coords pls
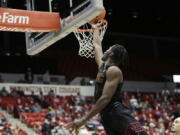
(85, 37)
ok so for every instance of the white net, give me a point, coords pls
(85, 38)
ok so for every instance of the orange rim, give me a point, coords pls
(105, 22)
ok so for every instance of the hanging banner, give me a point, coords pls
(28, 21)
(61, 90)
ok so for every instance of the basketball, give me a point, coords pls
(99, 17)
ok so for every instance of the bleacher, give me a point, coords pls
(151, 109)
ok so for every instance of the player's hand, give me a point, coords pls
(74, 126)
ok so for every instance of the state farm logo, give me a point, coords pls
(6, 17)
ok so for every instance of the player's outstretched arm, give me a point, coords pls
(98, 53)
(114, 76)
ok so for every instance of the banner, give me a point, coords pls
(61, 90)
(28, 21)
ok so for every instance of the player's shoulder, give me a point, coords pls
(114, 70)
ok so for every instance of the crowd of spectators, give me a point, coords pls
(154, 110)
(6, 127)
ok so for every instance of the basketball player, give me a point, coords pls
(176, 126)
(115, 117)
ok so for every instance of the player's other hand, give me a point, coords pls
(74, 126)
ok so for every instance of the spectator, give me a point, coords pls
(59, 130)
(46, 129)
(3, 92)
(176, 126)
(28, 76)
(134, 102)
(51, 93)
(60, 110)
(16, 130)
(50, 114)
(80, 98)
(46, 77)
(27, 108)
(21, 92)
(83, 81)
(84, 131)
(7, 128)
(36, 108)
(14, 93)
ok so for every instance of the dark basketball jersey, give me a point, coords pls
(115, 117)
(100, 82)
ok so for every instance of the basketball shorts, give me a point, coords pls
(117, 120)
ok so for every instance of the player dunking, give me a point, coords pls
(115, 117)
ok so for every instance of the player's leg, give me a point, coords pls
(122, 122)
(107, 124)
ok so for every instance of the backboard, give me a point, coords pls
(73, 14)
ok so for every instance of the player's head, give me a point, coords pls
(117, 53)
(176, 126)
